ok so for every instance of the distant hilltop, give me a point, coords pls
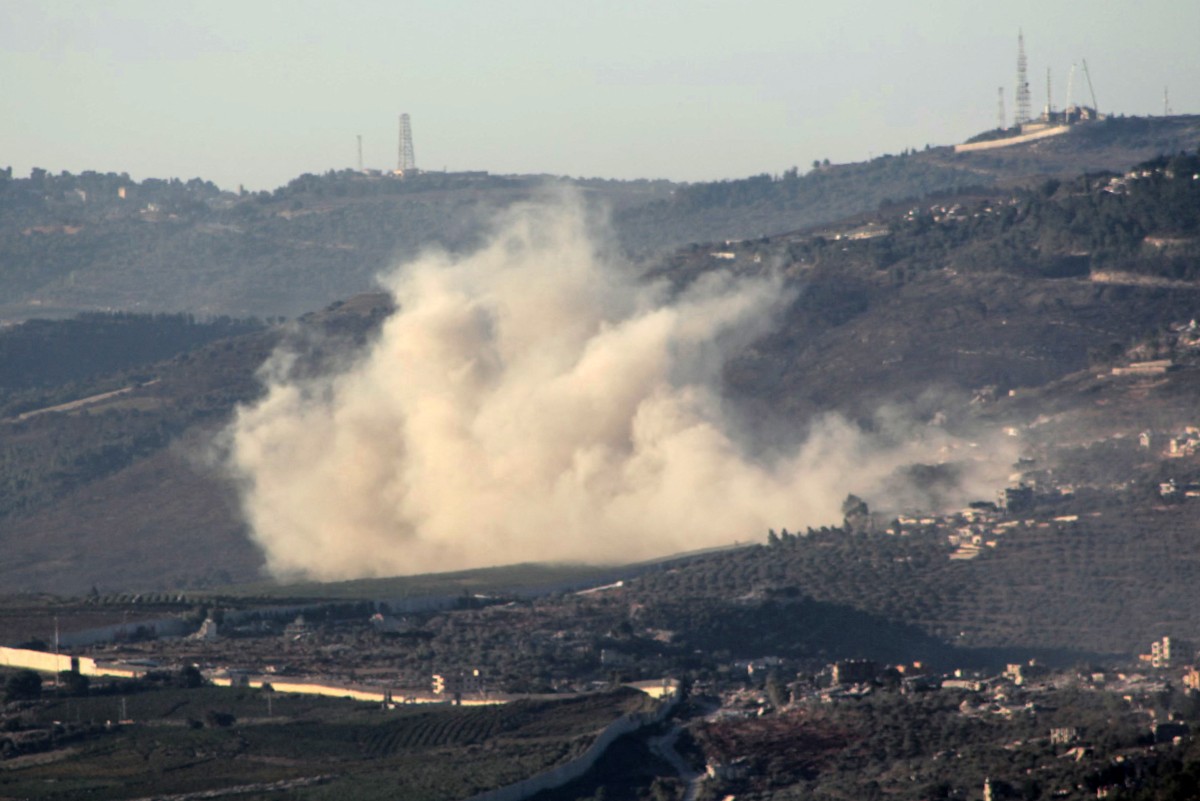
(1050, 123)
(104, 242)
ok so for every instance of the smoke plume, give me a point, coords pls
(536, 401)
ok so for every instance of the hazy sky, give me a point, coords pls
(256, 92)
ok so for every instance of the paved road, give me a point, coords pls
(664, 746)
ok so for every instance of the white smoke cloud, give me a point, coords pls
(535, 401)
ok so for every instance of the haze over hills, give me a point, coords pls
(920, 308)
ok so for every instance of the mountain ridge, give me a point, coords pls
(104, 242)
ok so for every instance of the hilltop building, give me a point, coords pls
(1026, 127)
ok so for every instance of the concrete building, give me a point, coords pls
(1168, 651)
(458, 684)
(1064, 735)
(854, 671)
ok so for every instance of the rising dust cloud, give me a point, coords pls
(534, 401)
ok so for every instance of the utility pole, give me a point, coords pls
(57, 664)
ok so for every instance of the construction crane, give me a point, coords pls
(1092, 91)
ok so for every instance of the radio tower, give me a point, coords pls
(1000, 116)
(1022, 81)
(407, 164)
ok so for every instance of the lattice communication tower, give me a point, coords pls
(407, 163)
(1023, 102)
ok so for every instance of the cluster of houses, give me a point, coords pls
(983, 523)
(941, 213)
(1119, 184)
(1185, 443)
(1015, 691)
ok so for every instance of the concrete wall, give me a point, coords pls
(161, 627)
(50, 663)
(89, 667)
(22, 658)
(992, 144)
(305, 688)
(34, 660)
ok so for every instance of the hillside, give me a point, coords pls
(99, 242)
(116, 489)
(1007, 309)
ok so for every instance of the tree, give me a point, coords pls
(73, 683)
(857, 515)
(214, 719)
(662, 790)
(24, 685)
(854, 506)
(776, 692)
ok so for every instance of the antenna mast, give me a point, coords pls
(1049, 99)
(1166, 103)
(1022, 81)
(407, 162)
